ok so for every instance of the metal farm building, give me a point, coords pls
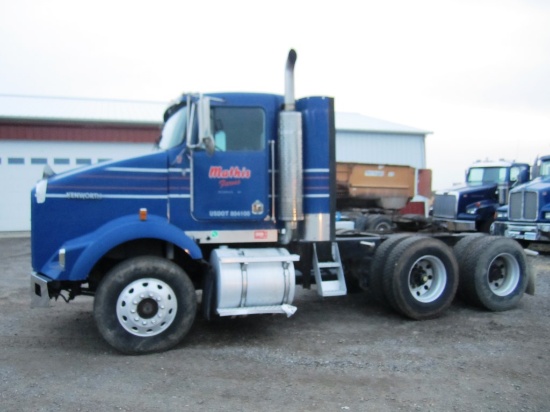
(66, 133)
(363, 139)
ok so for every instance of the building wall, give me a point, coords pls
(381, 148)
(22, 164)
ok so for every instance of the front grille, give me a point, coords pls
(515, 206)
(445, 206)
(531, 206)
(523, 205)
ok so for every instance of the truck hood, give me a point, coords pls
(538, 184)
(470, 190)
(83, 199)
(103, 177)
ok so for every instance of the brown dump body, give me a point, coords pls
(384, 186)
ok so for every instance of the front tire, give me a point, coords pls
(145, 304)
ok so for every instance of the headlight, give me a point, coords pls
(546, 215)
(473, 208)
(502, 215)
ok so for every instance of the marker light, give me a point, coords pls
(61, 258)
(143, 214)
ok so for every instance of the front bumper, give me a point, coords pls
(40, 296)
(534, 232)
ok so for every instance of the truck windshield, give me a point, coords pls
(485, 175)
(545, 168)
(174, 129)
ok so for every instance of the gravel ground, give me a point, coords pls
(335, 354)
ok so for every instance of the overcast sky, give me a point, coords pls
(476, 73)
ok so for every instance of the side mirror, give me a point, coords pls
(205, 128)
(523, 176)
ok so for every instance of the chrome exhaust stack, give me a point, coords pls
(290, 102)
(290, 158)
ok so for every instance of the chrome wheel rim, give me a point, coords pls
(146, 307)
(427, 279)
(503, 275)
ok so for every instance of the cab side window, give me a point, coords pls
(514, 173)
(238, 128)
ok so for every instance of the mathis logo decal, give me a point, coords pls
(229, 177)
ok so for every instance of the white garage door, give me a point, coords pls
(22, 164)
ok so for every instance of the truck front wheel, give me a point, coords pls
(145, 304)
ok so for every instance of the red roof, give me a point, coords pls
(78, 132)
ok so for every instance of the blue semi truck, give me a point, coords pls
(472, 206)
(238, 202)
(527, 216)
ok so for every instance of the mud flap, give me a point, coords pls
(531, 280)
(531, 275)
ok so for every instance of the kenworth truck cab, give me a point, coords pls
(238, 203)
(471, 207)
(527, 217)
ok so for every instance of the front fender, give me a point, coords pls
(82, 253)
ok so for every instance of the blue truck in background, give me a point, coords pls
(526, 218)
(472, 206)
(238, 202)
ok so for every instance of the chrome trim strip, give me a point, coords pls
(316, 170)
(120, 196)
(233, 236)
(136, 169)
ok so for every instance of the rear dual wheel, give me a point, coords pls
(416, 275)
(493, 272)
(376, 269)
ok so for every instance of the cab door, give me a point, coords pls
(231, 183)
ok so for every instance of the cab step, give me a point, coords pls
(329, 275)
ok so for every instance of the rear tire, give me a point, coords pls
(494, 274)
(421, 277)
(460, 247)
(375, 273)
(145, 304)
(379, 224)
